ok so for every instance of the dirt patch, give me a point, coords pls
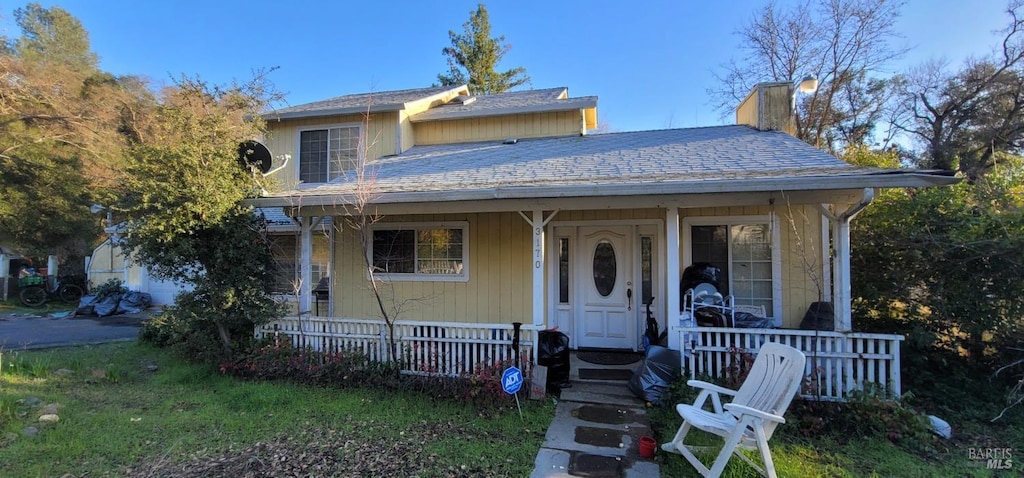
(320, 452)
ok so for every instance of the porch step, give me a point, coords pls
(614, 393)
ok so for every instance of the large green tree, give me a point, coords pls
(53, 35)
(946, 261)
(474, 55)
(60, 140)
(182, 197)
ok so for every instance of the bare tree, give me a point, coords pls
(963, 119)
(844, 43)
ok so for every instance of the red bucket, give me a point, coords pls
(647, 447)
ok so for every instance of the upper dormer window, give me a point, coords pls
(326, 154)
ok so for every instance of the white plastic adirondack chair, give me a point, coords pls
(749, 420)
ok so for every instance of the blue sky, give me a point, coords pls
(649, 62)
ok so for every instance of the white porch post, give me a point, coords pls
(841, 274)
(306, 225)
(672, 276)
(841, 261)
(537, 224)
(826, 260)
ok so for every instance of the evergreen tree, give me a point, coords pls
(474, 55)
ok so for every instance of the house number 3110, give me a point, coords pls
(538, 233)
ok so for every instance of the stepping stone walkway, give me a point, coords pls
(596, 434)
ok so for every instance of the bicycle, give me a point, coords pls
(34, 292)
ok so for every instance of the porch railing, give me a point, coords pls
(838, 363)
(423, 348)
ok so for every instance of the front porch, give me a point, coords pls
(590, 268)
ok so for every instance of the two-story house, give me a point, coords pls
(492, 210)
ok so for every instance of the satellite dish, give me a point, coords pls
(252, 153)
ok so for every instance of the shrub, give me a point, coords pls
(866, 415)
(277, 359)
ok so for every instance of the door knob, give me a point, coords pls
(629, 299)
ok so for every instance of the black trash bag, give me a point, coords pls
(710, 317)
(819, 316)
(134, 302)
(86, 305)
(698, 273)
(661, 366)
(107, 306)
(751, 321)
(554, 354)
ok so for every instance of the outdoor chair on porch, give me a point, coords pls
(750, 419)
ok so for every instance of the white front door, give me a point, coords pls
(606, 296)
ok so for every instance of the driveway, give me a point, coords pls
(21, 331)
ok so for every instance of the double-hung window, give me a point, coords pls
(328, 153)
(746, 250)
(421, 251)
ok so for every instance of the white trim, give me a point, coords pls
(674, 189)
(776, 248)
(554, 306)
(637, 228)
(320, 127)
(673, 269)
(657, 277)
(418, 277)
(826, 259)
(321, 205)
(537, 230)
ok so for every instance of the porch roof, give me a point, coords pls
(720, 159)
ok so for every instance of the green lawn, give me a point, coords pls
(118, 417)
(827, 455)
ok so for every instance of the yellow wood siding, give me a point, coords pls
(407, 131)
(801, 254)
(532, 125)
(767, 107)
(283, 138)
(499, 287)
(497, 290)
(746, 112)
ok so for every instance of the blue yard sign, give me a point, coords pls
(512, 380)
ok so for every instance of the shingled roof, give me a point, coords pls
(677, 161)
(358, 103)
(514, 102)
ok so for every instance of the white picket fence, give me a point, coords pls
(424, 348)
(838, 363)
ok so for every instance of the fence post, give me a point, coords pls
(894, 372)
(384, 347)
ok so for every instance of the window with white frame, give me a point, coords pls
(421, 251)
(744, 251)
(326, 154)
